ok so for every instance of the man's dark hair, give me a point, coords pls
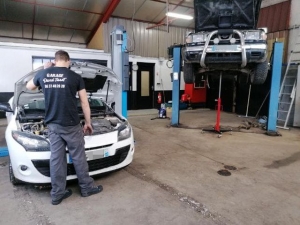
(62, 56)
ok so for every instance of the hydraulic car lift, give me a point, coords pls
(275, 87)
(176, 90)
(274, 93)
(176, 84)
(120, 65)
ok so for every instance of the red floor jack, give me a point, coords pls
(217, 128)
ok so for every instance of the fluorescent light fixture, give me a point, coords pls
(180, 16)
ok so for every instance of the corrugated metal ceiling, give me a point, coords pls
(77, 21)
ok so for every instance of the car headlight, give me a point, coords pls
(124, 132)
(263, 35)
(31, 142)
(189, 39)
(253, 35)
(199, 38)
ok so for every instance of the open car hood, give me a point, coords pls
(226, 14)
(99, 80)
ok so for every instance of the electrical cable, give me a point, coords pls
(132, 27)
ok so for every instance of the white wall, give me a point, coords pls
(294, 34)
(295, 16)
(16, 61)
(162, 78)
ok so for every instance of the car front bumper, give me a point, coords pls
(118, 154)
(255, 53)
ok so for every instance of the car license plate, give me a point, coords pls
(92, 154)
(225, 48)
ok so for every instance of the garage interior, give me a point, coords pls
(180, 174)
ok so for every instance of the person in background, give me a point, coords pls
(60, 86)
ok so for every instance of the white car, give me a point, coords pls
(109, 148)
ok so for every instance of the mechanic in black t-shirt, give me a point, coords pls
(60, 86)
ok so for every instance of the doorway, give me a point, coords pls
(145, 86)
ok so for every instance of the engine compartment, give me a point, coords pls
(100, 125)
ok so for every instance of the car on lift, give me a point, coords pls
(226, 39)
(110, 147)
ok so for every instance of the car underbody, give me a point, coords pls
(226, 39)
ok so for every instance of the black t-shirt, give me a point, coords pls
(60, 86)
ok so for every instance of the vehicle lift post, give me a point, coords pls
(275, 87)
(120, 65)
(176, 84)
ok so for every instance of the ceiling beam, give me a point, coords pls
(110, 9)
(108, 12)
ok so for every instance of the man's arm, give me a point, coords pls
(30, 85)
(86, 111)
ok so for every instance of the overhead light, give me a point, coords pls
(180, 16)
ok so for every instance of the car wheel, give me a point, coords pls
(188, 73)
(12, 178)
(260, 73)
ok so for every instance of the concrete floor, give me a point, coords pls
(173, 179)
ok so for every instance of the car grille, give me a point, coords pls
(223, 58)
(43, 166)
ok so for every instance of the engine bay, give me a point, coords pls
(100, 125)
(103, 119)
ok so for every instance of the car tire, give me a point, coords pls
(260, 73)
(188, 73)
(12, 178)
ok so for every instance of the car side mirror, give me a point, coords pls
(5, 106)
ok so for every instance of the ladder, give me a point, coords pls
(289, 84)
